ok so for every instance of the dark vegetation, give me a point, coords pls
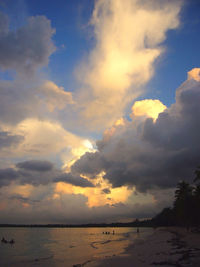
(185, 211)
(186, 206)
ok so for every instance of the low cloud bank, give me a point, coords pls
(39, 172)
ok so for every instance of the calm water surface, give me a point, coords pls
(64, 246)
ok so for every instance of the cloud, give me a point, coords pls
(45, 138)
(68, 208)
(8, 140)
(22, 199)
(55, 97)
(128, 37)
(33, 173)
(35, 165)
(148, 107)
(106, 191)
(26, 94)
(4, 24)
(27, 48)
(7, 176)
(39, 172)
(18, 100)
(149, 153)
(74, 180)
(22, 52)
(194, 74)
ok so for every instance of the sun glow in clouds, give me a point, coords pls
(148, 107)
(96, 196)
(51, 166)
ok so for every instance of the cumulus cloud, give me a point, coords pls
(24, 51)
(151, 153)
(27, 48)
(128, 37)
(148, 107)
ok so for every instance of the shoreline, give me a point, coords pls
(172, 246)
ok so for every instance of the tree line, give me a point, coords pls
(186, 206)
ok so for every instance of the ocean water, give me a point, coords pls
(64, 246)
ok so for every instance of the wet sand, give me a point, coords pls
(165, 247)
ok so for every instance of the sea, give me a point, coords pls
(64, 246)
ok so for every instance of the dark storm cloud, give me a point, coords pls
(74, 180)
(90, 164)
(33, 172)
(7, 139)
(7, 176)
(149, 154)
(35, 165)
(28, 47)
(39, 172)
(106, 191)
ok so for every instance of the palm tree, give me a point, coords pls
(197, 173)
(183, 203)
(196, 194)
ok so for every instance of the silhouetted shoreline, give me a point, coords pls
(137, 223)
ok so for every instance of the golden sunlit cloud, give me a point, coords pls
(43, 138)
(128, 37)
(76, 152)
(148, 107)
(194, 74)
(108, 133)
(22, 190)
(55, 97)
(96, 196)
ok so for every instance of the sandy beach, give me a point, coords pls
(165, 247)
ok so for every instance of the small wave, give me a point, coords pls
(82, 264)
(105, 242)
(43, 258)
(93, 246)
(100, 243)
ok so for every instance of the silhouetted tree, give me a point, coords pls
(196, 205)
(197, 175)
(186, 208)
(183, 204)
(165, 218)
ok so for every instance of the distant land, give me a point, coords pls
(136, 223)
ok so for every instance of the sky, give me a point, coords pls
(99, 108)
